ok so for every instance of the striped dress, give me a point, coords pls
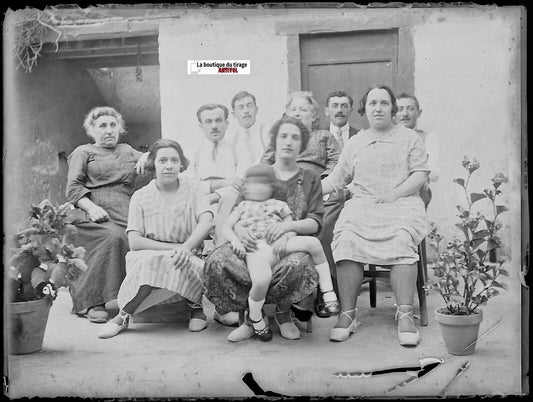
(154, 219)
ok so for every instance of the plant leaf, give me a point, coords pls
(501, 208)
(481, 254)
(492, 292)
(477, 242)
(456, 299)
(501, 285)
(79, 263)
(461, 182)
(493, 243)
(481, 234)
(38, 275)
(476, 197)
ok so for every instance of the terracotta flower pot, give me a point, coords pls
(26, 325)
(460, 332)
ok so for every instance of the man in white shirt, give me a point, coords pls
(408, 114)
(250, 138)
(215, 161)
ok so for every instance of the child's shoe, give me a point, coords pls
(330, 305)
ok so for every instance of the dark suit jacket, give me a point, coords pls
(352, 132)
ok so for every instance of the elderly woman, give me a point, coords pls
(323, 150)
(294, 278)
(101, 178)
(168, 220)
(385, 219)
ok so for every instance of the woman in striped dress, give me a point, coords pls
(168, 220)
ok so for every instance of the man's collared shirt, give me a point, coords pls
(250, 145)
(345, 133)
(208, 164)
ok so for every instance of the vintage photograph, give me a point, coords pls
(281, 200)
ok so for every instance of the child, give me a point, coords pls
(256, 213)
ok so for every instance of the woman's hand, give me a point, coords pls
(280, 246)
(139, 166)
(181, 256)
(238, 248)
(235, 182)
(98, 214)
(247, 239)
(386, 198)
(275, 231)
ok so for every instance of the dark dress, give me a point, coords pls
(226, 280)
(107, 178)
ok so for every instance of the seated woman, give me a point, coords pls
(101, 179)
(320, 156)
(168, 220)
(227, 282)
(385, 219)
(256, 212)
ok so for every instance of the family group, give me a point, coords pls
(289, 209)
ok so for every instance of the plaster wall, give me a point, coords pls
(468, 84)
(466, 75)
(200, 37)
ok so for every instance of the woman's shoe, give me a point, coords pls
(111, 328)
(342, 334)
(406, 338)
(242, 333)
(197, 318)
(288, 330)
(230, 319)
(97, 314)
(264, 334)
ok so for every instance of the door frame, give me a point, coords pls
(406, 53)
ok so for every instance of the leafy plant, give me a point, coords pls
(43, 259)
(465, 276)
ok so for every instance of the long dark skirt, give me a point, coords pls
(227, 282)
(106, 246)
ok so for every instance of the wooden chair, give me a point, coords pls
(372, 273)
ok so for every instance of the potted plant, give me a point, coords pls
(464, 275)
(42, 261)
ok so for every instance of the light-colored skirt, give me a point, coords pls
(155, 268)
(380, 234)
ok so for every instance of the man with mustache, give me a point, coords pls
(215, 160)
(250, 138)
(408, 114)
(215, 163)
(339, 107)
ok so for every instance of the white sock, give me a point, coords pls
(255, 309)
(324, 277)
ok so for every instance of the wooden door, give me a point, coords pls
(348, 61)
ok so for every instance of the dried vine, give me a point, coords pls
(32, 25)
(29, 34)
